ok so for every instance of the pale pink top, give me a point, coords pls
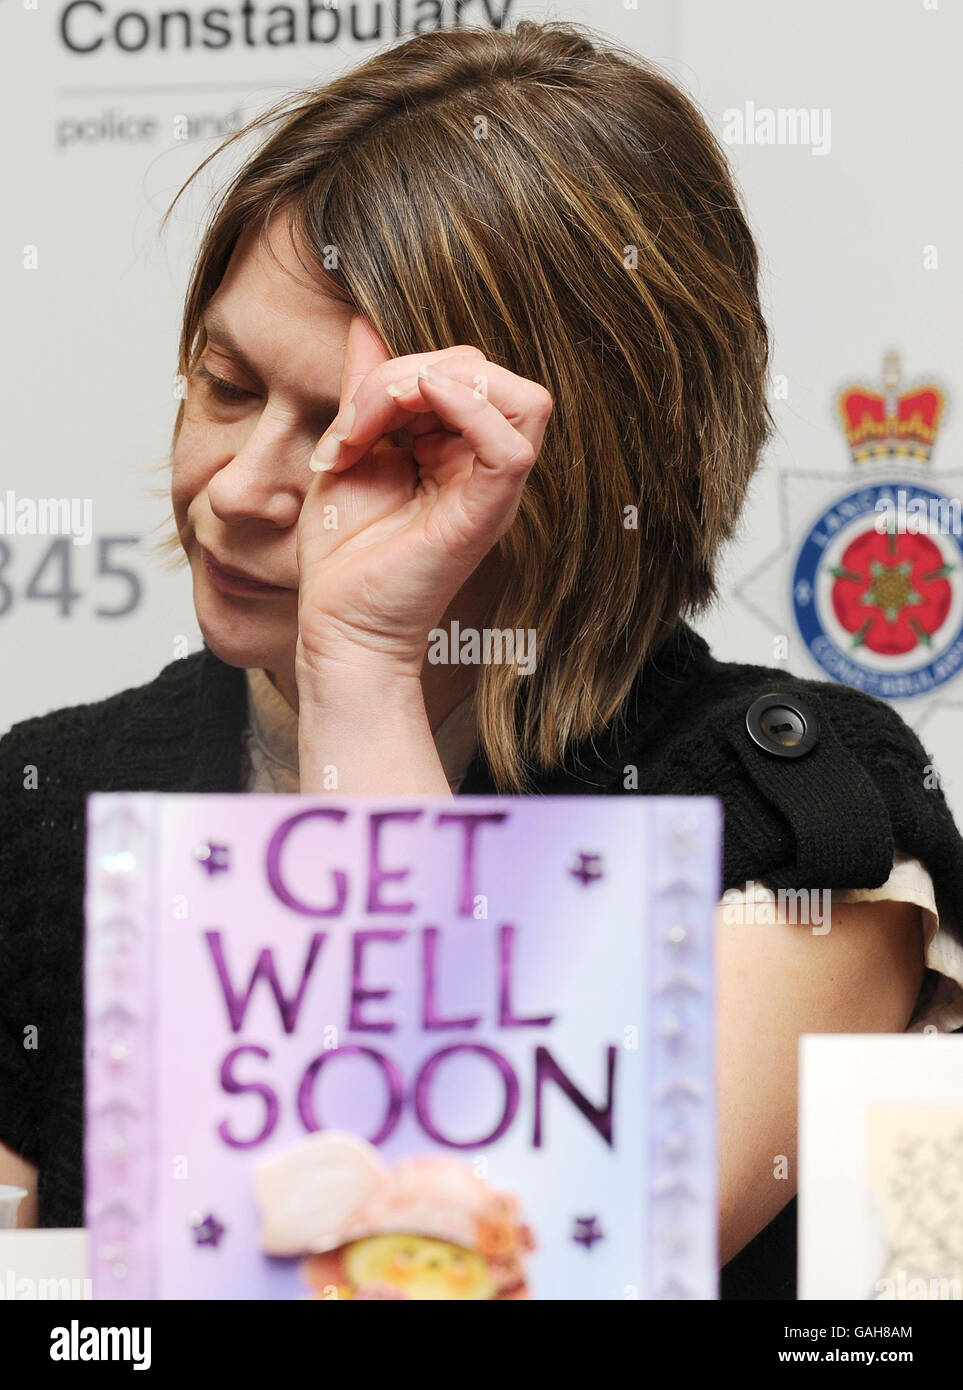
(271, 753)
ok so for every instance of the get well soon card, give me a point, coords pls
(433, 1049)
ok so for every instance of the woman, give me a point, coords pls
(475, 338)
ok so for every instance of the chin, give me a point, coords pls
(247, 634)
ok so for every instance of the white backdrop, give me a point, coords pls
(855, 214)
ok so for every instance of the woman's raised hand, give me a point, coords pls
(388, 534)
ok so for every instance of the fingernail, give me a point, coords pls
(433, 377)
(328, 447)
(326, 453)
(401, 388)
(344, 423)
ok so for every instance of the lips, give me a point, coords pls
(235, 581)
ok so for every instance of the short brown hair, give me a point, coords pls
(555, 200)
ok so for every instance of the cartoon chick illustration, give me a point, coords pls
(427, 1229)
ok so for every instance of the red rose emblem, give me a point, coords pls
(891, 591)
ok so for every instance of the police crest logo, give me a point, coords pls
(877, 587)
(873, 569)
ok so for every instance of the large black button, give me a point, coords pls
(782, 725)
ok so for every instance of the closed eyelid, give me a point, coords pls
(229, 394)
(219, 336)
(219, 363)
(219, 383)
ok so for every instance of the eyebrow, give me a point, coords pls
(217, 331)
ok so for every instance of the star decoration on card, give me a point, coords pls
(587, 1231)
(675, 1144)
(675, 1242)
(208, 1231)
(676, 936)
(213, 858)
(674, 1193)
(117, 1148)
(684, 836)
(674, 1290)
(672, 1028)
(118, 1052)
(123, 862)
(587, 869)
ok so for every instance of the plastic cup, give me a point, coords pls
(10, 1199)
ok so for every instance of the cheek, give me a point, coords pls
(192, 465)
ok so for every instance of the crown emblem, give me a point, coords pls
(891, 423)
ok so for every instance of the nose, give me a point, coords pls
(268, 476)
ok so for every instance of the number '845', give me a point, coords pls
(52, 578)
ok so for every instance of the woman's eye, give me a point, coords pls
(223, 390)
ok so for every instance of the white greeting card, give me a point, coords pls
(881, 1167)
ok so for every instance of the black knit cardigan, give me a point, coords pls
(830, 819)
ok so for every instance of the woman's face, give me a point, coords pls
(265, 390)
